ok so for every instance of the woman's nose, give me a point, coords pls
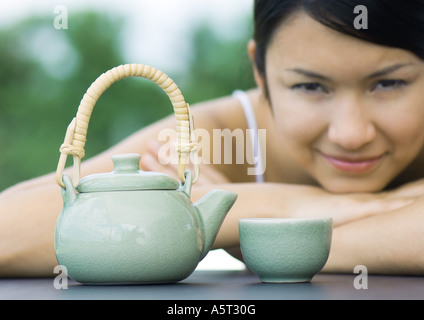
(351, 126)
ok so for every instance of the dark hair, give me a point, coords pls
(393, 23)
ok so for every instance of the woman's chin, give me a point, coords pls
(349, 186)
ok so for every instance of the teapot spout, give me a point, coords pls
(213, 208)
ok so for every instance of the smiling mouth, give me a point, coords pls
(352, 164)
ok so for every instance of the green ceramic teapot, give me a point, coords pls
(130, 226)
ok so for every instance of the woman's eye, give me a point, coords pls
(386, 85)
(310, 88)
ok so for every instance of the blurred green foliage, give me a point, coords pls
(44, 73)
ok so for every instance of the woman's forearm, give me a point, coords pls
(253, 201)
(388, 243)
(28, 213)
(274, 200)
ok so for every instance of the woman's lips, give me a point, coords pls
(353, 165)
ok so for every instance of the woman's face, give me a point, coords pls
(351, 113)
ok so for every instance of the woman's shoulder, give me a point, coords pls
(223, 113)
(221, 125)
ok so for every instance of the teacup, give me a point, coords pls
(285, 250)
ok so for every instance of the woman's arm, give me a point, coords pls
(28, 214)
(388, 243)
(384, 234)
(391, 242)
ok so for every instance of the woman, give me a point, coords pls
(343, 111)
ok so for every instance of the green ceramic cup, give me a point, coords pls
(285, 250)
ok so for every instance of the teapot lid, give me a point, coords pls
(126, 176)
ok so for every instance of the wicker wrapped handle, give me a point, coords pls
(77, 130)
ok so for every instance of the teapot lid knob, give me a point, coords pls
(126, 163)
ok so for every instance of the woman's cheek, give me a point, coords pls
(404, 129)
(304, 127)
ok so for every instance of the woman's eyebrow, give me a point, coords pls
(379, 73)
(388, 70)
(309, 74)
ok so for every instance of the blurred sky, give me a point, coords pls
(161, 26)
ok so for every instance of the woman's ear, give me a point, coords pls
(251, 50)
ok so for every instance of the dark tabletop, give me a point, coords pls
(224, 285)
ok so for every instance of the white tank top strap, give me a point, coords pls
(254, 136)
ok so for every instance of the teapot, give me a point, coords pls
(131, 226)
